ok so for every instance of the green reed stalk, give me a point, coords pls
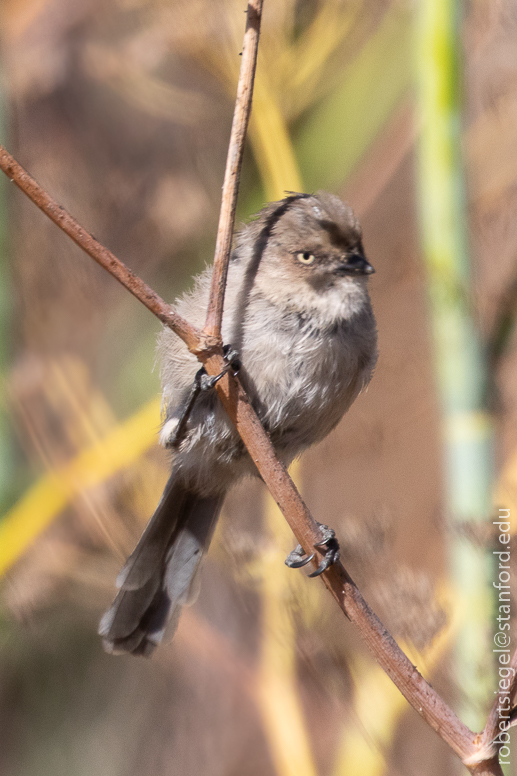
(459, 359)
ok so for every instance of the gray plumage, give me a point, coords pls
(298, 311)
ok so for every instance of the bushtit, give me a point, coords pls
(297, 311)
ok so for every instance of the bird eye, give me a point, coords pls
(305, 257)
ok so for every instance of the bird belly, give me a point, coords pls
(302, 392)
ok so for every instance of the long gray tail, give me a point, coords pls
(157, 577)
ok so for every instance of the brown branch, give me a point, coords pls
(233, 167)
(206, 345)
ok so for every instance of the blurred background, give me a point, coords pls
(121, 109)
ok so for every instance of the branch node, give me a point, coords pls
(483, 755)
(206, 347)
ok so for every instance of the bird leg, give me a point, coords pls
(203, 382)
(297, 558)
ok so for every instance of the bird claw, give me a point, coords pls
(332, 553)
(297, 558)
(233, 364)
(232, 358)
(203, 382)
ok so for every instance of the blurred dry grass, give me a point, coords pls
(122, 110)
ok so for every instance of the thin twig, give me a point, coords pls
(206, 346)
(233, 167)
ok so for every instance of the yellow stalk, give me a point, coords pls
(47, 498)
(279, 700)
(272, 145)
(303, 62)
(379, 705)
(278, 696)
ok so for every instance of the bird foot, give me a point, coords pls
(297, 558)
(233, 365)
(202, 382)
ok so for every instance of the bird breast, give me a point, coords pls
(303, 379)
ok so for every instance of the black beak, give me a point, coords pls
(356, 264)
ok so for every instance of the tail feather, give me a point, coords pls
(155, 540)
(156, 581)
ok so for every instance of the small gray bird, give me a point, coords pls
(298, 313)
